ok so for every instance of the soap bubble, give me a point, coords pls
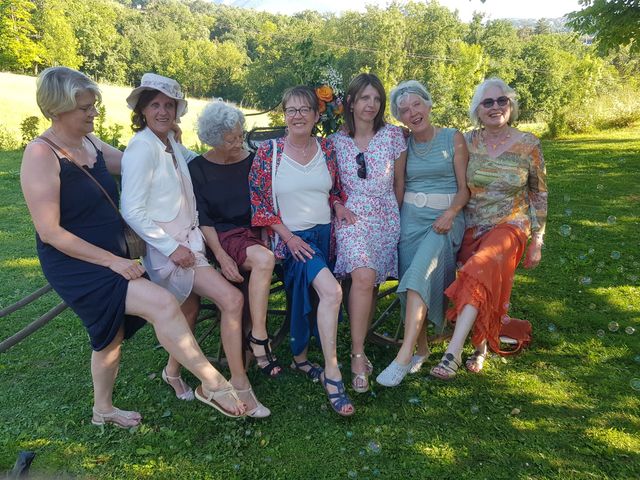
(600, 186)
(611, 219)
(352, 474)
(592, 306)
(568, 212)
(585, 280)
(613, 326)
(349, 434)
(582, 256)
(591, 251)
(600, 333)
(505, 319)
(475, 409)
(615, 255)
(567, 198)
(629, 330)
(414, 401)
(551, 327)
(565, 230)
(374, 447)
(635, 383)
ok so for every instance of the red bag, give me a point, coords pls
(515, 332)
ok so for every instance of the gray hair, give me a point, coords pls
(58, 87)
(478, 96)
(216, 119)
(409, 87)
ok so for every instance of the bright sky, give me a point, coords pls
(493, 8)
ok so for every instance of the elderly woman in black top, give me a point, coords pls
(220, 183)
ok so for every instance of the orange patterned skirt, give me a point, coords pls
(486, 279)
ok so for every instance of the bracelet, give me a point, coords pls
(287, 240)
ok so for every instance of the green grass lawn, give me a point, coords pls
(18, 101)
(579, 415)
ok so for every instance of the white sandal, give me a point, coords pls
(393, 374)
(259, 411)
(115, 417)
(187, 391)
(211, 399)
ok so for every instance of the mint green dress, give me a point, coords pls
(427, 260)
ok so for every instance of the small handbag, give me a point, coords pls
(516, 332)
(136, 246)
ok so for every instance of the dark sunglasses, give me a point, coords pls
(362, 166)
(488, 102)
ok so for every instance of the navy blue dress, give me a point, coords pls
(95, 293)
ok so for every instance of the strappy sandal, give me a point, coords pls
(116, 417)
(268, 362)
(259, 411)
(360, 381)
(475, 362)
(393, 374)
(313, 372)
(187, 391)
(339, 399)
(211, 398)
(447, 368)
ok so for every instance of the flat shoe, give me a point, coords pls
(211, 399)
(259, 411)
(416, 362)
(393, 374)
(360, 381)
(447, 368)
(187, 391)
(313, 372)
(116, 417)
(339, 399)
(475, 362)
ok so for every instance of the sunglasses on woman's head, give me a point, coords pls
(488, 102)
(362, 166)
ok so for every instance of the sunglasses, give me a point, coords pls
(362, 166)
(488, 102)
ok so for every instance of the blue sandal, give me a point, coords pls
(340, 398)
(313, 372)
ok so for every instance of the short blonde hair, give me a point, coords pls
(57, 88)
(478, 95)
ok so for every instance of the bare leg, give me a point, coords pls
(361, 304)
(330, 296)
(414, 323)
(190, 309)
(464, 324)
(161, 310)
(422, 347)
(211, 284)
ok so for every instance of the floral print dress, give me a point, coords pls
(372, 241)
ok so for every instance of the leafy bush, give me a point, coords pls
(30, 128)
(8, 141)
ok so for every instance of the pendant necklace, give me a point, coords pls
(299, 149)
(496, 142)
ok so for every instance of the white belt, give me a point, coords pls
(437, 201)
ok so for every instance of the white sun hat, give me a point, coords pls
(168, 86)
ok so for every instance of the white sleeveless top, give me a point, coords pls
(302, 192)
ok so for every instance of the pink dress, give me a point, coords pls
(184, 229)
(373, 240)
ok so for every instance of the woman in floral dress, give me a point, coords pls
(368, 151)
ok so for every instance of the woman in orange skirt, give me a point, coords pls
(508, 205)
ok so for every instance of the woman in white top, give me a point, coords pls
(159, 204)
(294, 188)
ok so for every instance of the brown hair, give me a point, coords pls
(357, 85)
(138, 121)
(303, 92)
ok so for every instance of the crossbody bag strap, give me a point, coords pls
(72, 160)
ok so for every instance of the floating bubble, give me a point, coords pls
(592, 306)
(362, 452)
(565, 230)
(349, 434)
(352, 474)
(475, 409)
(375, 472)
(598, 270)
(611, 219)
(613, 326)
(635, 383)
(600, 264)
(600, 186)
(562, 260)
(633, 278)
(236, 466)
(585, 280)
(600, 333)
(615, 255)
(620, 269)
(551, 327)
(505, 319)
(591, 251)
(374, 447)
(568, 212)
(414, 401)
(567, 198)
(582, 256)
(629, 330)
(515, 411)
(506, 306)
(377, 430)
(636, 359)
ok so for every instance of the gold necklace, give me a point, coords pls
(499, 140)
(295, 147)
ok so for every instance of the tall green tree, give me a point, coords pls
(19, 50)
(57, 39)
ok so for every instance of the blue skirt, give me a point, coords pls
(298, 277)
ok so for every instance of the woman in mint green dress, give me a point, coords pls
(431, 224)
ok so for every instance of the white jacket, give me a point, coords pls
(151, 187)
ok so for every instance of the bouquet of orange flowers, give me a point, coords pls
(330, 103)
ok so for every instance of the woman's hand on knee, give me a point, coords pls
(129, 269)
(183, 257)
(299, 248)
(229, 268)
